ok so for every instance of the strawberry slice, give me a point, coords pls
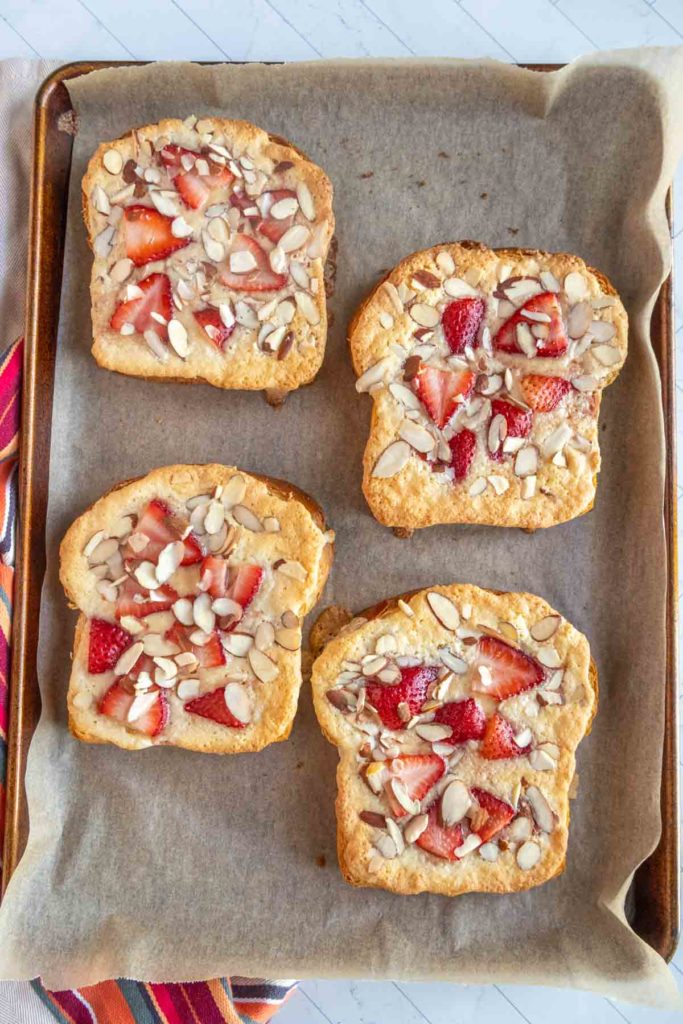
(463, 445)
(135, 600)
(261, 278)
(209, 320)
(441, 391)
(512, 671)
(158, 523)
(106, 643)
(544, 394)
(244, 583)
(438, 839)
(212, 705)
(519, 422)
(269, 227)
(418, 773)
(209, 655)
(214, 575)
(499, 740)
(412, 690)
(170, 155)
(148, 236)
(117, 702)
(156, 298)
(461, 321)
(466, 719)
(499, 813)
(555, 344)
(196, 189)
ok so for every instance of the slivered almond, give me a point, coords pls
(237, 702)
(424, 315)
(128, 659)
(373, 375)
(416, 436)
(246, 518)
(262, 666)
(457, 288)
(444, 610)
(392, 460)
(540, 808)
(455, 802)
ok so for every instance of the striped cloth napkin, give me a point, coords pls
(221, 1000)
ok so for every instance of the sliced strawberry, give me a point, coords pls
(269, 227)
(499, 740)
(463, 445)
(244, 202)
(209, 655)
(214, 575)
(106, 643)
(418, 773)
(162, 527)
(212, 705)
(156, 298)
(412, 690)
(544, 394)
(259, 279)
(438, 839)
(441, 391)
(244, 583)
(512, 671)
(461, 321)
(555, 344)
(148, 236)
(117, 702)
(196, 189)
(210, 320)
(519, 422)
(499, 813)
(135, 600)
(171, 154)
(466, 719)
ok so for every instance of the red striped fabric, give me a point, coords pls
(121, 1001)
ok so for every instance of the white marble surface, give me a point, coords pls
(523, 30)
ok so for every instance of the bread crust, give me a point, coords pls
(244, 365)
(303, 536)
(416, 871)
(413, 498)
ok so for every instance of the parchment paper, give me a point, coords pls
(169, 865)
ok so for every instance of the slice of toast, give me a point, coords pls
(192, 583)
(457, 713)
(486, 369)
(209, 240)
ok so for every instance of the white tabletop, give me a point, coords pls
(512, 30)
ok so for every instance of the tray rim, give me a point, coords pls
(656, 879)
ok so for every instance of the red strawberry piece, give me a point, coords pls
(148, 236)
(412, 690)
(196, 189)
(117, 702)
(156, 298)
(441, 391)
(463, 446)
(209, 655)
(244, 202)
(171, 154)
(544, 394)
(499, 740)
(261, 278)
(270, 227)
(466, 719)
(212, 705)
(210, 320)
(418, 773)
(135, 600)
(499, 813)
(461, 321)
(519, 422)
(438, 839)
(244, 583)
(512, 671)
(162, 527)
(106, 643)
(214, 575)
(555, 344)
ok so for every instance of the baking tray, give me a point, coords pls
(652, 905)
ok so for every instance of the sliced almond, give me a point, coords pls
(545, 628)
(182, 609)
(294, 238)
(470, 843)
(575, 287)
(403, 797)
(556, 441)
(187, 689)
(128, 659)
(262, 666)
(457, 288)
(606, 355)
(455, 802)
(392, 460)
(237, 702)
(499, 483)
(131, 624)
(425, 315)
(585, 382)
(307, 307)
(444, 610)
(528, 488)
(549, 281)
(416, 436)
(528, 855)
(433, 732)
(202, 613)
(290, 639)
(405, 396)
(520, 829)
(169, 559)
(146, 576)
(453, 662)
(303, 194)
(293, 570)
(215, 517)
(540, 808)
(102, 550)
(246, 518)
(113, 161)
(578, 320)
(541, 761)
(234, 491)
(238, 644)
(264, 637)
(415, 828)
(373, 375)
(526, 461)
(549, 657)
(142, 703)
(477, 487)
(523, 738)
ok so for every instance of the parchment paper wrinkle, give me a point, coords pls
(176, 866)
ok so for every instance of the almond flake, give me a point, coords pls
(128, 659)
(424, 315)
(477, 487)
(180, 228)
(416, 436)
(262, 666)
(489, 852)
(238, 644)
(169, 559)
(188, 689)
(525, 339)
(293, 570)
(469, 844)
(575, 287)
(453, 662)
(455, 802)
(113, 161)
(541, 761)
(373, 375)
(234, 491)
(121, 270)
(264, 637)
(579, 319)
(415, 828)
(405, 608)
(156, 345)
(540, 808)
(607, 355)
(556, 441)
(202, 613)
(290, 639)
(403, 797)
(526, 461)
(294, 238)
(549, 657)
(303, 194)
(307, 308)
(143, 703)
(528, 488)
(237, 702)
(457, 288)
(94, 543)
(545, 628)
(444, 610)
(215, 517)
(499, 483)
(246, 518)
(146, 576)
(528, 855)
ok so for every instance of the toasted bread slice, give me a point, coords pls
(457, 713)
(209, 240)
(192, 583)
(486, 369)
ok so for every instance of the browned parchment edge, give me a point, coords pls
(653, 900)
